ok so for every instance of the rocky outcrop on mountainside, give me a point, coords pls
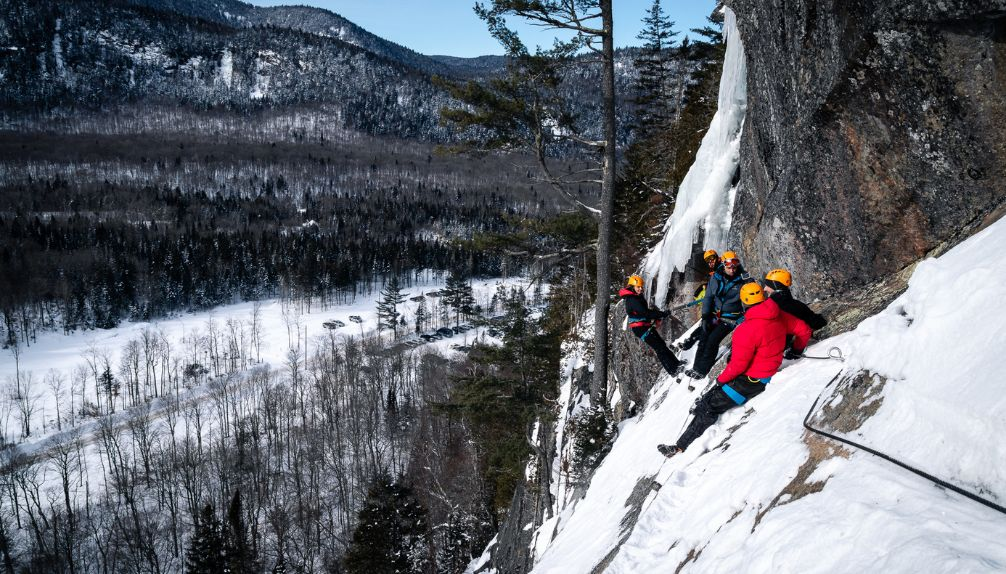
(873, 134)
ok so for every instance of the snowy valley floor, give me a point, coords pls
(283, 327)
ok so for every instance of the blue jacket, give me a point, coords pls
(723, 294)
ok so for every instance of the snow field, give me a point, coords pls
(284, 327)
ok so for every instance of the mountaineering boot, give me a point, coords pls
(693, 374)
(690, 341)
(669, 450)
(671, 365)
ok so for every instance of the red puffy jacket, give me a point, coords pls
(760, 340)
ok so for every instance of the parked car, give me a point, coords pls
(333, 324)
(445, 332)
(356, 318)
(417, 298)
(427, 337)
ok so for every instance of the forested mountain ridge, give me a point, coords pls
(304, 19)
(68, 54)
(71, 54)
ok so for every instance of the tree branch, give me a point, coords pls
(668, 196)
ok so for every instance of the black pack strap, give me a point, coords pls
(891, 459)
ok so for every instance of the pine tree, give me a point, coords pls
(713, 31)
(653, 100)
(109, 386)
(454, 550)
(422, 316)
(391, 535)
(526, 109)
(238, 553)
(458, 296)
(387, 306)
(206, 548)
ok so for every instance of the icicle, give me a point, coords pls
(705, 198)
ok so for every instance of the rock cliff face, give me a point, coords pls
(874, 133)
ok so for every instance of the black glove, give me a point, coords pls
(793, 354)
(707, 323)
(664, 314)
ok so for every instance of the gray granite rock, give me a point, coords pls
(874, 132)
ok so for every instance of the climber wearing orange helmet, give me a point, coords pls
(641, 321)
(756, 353)
(712, 260)
(777, 286)
(721, 309)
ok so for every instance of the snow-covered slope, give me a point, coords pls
(757, 493)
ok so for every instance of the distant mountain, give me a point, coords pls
(303, 19)
(71, 54)
(67, 54)
(479, 66)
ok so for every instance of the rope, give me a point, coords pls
(908, 467)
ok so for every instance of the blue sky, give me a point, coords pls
(450, 27)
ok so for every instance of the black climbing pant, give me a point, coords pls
(709, 346)
(716, 402)
(651, 337)
(696, 335)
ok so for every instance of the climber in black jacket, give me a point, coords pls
(721, 311)
(641, 320)
(777, 286)
(712, 260)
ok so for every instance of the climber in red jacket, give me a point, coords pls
(756, 353)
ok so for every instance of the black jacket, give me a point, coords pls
(636, 307)
(784, 299)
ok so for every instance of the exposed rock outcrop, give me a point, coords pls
(873, 134)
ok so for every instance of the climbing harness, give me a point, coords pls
(891, 459)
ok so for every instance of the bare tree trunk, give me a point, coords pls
(599, 385)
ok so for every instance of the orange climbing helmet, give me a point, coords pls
(752, 294)
(635, 281)
(710, 254)
(777, 277)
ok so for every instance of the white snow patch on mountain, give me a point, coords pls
(57, 49)
(227, 68)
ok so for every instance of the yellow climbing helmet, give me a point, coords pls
(752, 294)
(730, 256)
(780, 276)
(635, 281)
(710, 254)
